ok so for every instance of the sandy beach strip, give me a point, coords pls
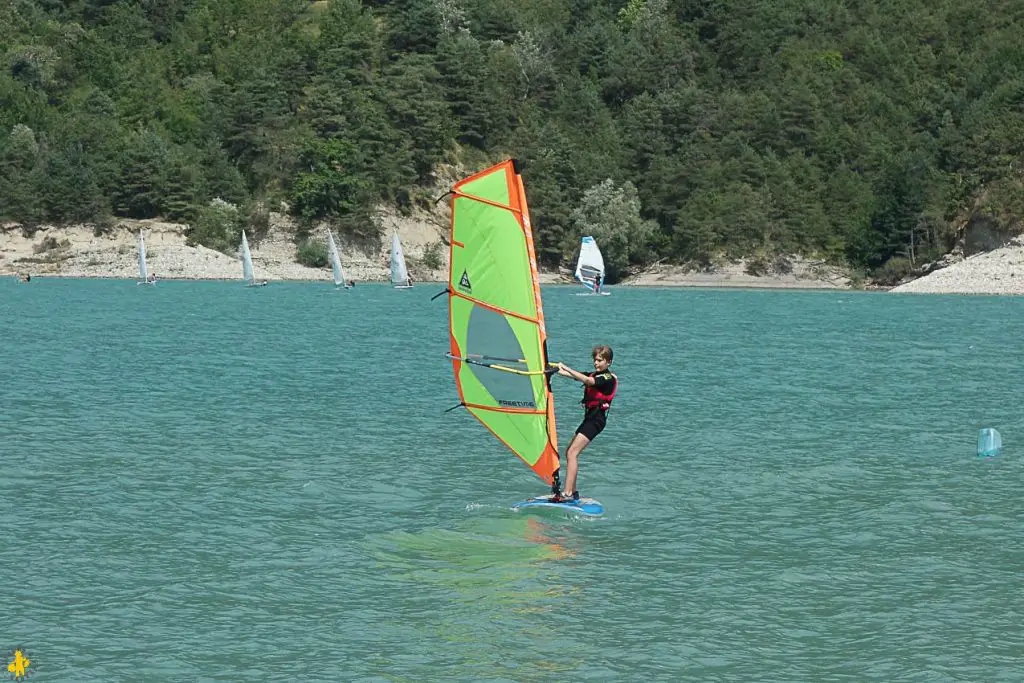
(77, 252)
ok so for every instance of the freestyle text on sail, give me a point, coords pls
(516, 404)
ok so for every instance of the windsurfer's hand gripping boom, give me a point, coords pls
(495, 363)
(565, 371)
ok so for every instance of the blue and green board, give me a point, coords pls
(583, 506)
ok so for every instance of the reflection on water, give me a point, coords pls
(484, 552)
(499, 578)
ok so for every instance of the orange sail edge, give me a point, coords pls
(546, 467)
(541, 327)
(552, 431)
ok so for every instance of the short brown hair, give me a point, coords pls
(604, 351)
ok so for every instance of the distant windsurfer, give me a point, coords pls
(599, 389)
(27, 277)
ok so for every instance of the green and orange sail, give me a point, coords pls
(496, 321)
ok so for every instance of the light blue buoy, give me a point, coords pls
(990, 444)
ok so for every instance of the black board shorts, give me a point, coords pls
(593, 424)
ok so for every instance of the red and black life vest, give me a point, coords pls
(592, 398)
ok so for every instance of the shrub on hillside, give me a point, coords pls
(893, 272)
(432, 256)
(219, 227)
(50, 243)
(312, 254)
(762, 264)
(103, 225)
(259, 220)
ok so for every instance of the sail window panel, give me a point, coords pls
(491, 336)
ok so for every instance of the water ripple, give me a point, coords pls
(204, 482)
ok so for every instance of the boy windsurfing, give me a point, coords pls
(599, 389)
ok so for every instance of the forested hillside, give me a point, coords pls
(687, 130)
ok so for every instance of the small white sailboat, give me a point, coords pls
(336, 271)
(399, 273)
(247, 271)
(144, 278)
(590, 268)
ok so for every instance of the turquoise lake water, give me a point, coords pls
(203, 482)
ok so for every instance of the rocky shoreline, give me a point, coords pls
(803, 274)
(78, 252)
(1000, 271)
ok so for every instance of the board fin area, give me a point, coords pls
(584, 506)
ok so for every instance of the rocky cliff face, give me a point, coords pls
(80, 251)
